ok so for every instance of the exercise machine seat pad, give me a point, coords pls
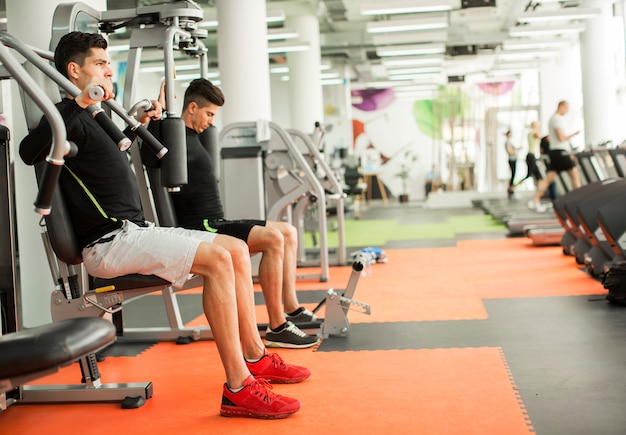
(132, 281)
(53, 345)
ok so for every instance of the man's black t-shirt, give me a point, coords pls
(199, 199)
(98, 184)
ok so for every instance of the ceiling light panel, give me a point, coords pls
(540, 31)
(531, 44)
(404, 7)
(287, 47)
(272, 16)
(412, 60)
(281, 33)
(561, 14)
(410, 37)
(423, 70)
(411, 50)
(526, 54)
(428, 22)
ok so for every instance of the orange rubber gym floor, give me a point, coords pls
(488, 336)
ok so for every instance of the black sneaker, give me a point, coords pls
(289, 337)
(304, 316)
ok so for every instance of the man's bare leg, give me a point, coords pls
(260, 363)
(575, 177)
(290, 264)
(253, 347)
(269, 242)
(219, 302)
(542, 185)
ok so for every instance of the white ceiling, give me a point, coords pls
(473, 38)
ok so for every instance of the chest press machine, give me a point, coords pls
(31, 353)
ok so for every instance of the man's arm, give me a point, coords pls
(36, 145)
(563, 137)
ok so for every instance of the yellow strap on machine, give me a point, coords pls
(105, 289)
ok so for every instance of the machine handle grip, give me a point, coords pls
(359, 262)
(49, 181)
(156, 146)
(96, 93)
(107, 124)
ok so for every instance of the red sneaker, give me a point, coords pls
(256, 400)
(272, 368)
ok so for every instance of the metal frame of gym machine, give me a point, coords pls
(316, 160)
(288, 174)
(294, 183)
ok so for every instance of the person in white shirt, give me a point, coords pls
(561, 158)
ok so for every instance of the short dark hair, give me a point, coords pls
(203, 92)
(75, 47)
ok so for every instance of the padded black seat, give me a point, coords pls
(51, 346)
(353, 179)
(133, 281)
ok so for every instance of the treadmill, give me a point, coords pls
(612, 223)
(600, 253)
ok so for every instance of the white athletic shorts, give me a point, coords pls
(162, 251)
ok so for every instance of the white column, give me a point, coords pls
(560, 79)
(35, 279)
(243, 60)
(598, 56)
(305, 88)
(338, 110)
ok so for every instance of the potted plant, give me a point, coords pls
(405, 174)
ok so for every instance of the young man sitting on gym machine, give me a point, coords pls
(198, 206)
(102, 196)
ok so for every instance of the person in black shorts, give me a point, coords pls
(198, 206)
(560, 156)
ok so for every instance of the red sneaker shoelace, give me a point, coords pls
(261, 388)
(277, 361)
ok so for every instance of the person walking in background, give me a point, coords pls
(511, 151)
(534, 140)
(544, 149)
(433, 181)
(561, 158)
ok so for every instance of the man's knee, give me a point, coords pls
(273, 238)
(236, 247)
(289, 233)
(211, 258)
